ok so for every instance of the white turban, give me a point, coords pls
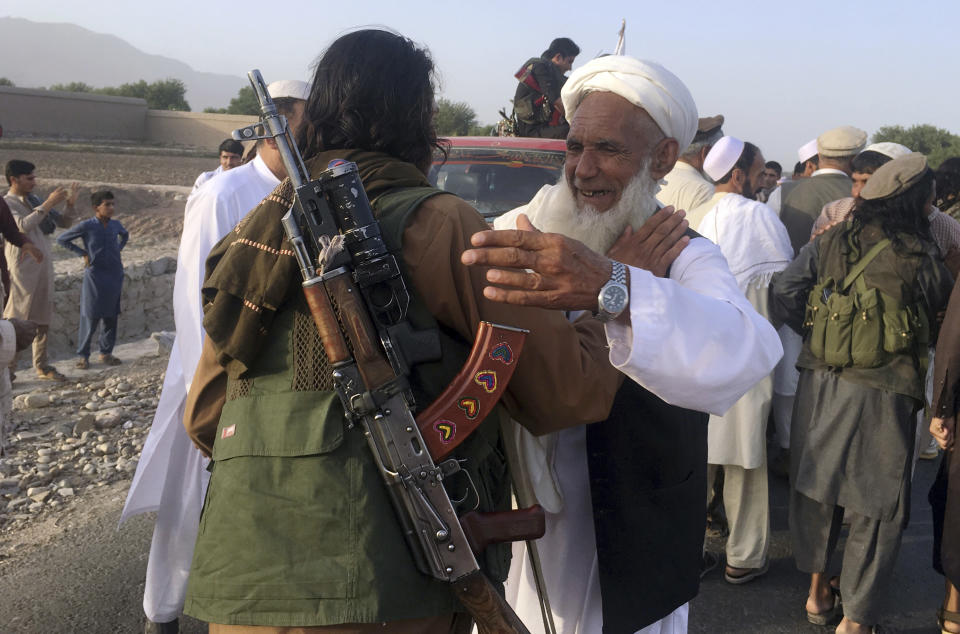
(644, 84)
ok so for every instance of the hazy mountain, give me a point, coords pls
(38, 54)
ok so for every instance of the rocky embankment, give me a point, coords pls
(71, 439)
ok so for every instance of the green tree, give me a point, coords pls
(163, 94)
(454, 118)
(74, 86)
(937, 143)
(245, 102)
(6, 82)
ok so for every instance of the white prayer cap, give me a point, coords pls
(807, 151)
(722, 157)
(893, 150)
(289, 88)
(646, 85)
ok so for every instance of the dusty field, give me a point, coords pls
(153, 168)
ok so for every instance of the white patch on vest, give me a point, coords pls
(228, 431)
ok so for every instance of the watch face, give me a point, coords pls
(613, 299)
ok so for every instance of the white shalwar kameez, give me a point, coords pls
(695, 342)
(171, 476)
(204, 177)
(755, 245)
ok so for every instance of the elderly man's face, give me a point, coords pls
(608, 142)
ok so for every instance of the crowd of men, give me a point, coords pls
(679, 293)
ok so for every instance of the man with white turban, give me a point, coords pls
(172, 476)
(626, 496)
(755, 245)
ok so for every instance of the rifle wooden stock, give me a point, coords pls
(483, 529)
(371, 361)
(486, 606)
(326, 322)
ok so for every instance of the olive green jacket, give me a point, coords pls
(297, 528)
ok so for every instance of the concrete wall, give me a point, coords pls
(47, 114)
(26, 112)
(195, 129)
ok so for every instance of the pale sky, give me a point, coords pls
(781, 72)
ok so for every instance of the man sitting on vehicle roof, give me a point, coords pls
(536, 103)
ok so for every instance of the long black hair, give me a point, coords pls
(372, 90)
(898, 216)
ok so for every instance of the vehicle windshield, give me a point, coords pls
(495, 180)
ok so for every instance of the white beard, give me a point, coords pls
(599, 230)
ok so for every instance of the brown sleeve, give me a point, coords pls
(563, 377)
(208, 393)
(946, 377)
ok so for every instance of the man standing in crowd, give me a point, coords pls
(31, 280)
(103, 240)
(798, 204)
(755, 245)
(623, 551)
(171, 475)
(12, 234)
(861, 384)
(807, 165)
(802, 204)
(863, 166)
(263, 372)
(536, 102)
(685, 187)
(769, 178)
(231, 155)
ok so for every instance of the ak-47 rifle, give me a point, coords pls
(343, 258)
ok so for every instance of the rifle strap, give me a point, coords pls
(860, 266)
(525, 497)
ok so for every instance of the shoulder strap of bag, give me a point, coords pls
(858, 269)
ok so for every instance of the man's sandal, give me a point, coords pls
(944, 616)
(830, 614)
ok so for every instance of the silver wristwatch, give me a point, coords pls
(614, 296)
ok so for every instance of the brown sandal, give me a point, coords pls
(829, 615)
(943, 616)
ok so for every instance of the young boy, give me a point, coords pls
(103, 239)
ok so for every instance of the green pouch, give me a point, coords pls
(866, 349)
(838, 330)
(815, 320)
(897, 336)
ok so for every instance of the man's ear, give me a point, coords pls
(271, 142)
(664, 157)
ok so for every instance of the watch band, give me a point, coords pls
(619, 273)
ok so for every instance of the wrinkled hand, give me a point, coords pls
(564, 273)
(74, 193)
(655, 245)
(56, 197)
(26, 331)
(33, 251)
(942, 430)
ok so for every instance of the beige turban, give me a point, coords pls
(644, 84)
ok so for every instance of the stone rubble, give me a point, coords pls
(65, 441)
